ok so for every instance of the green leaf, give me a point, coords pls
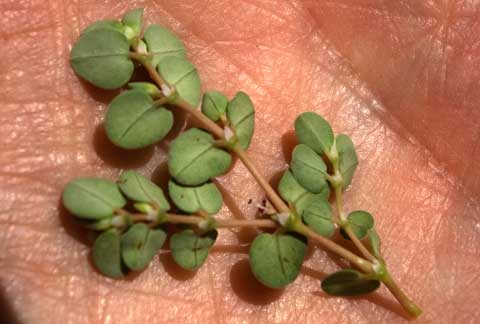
(293, 193)
(147, 87)
(314, 131)
(214, 105)
(134, 121)
(133, 22)
(348, 158)
(349, 282)
(114, 25)
(140, 244)
(190, 250)
(106, 254)
(161, 42)
(374, 240)
(92, 198)
(241, 115)
(276, 259)
(193, 159)
(318, 216)
(205, 198)
(308, 169)
(183, 75)
(361, 222)
(140, 189)
(100, 56)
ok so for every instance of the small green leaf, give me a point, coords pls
(314, 131)
(106, 254)
(148, 87)
(308, 169)
(162, 42)
(360, 222)
(374, 240)
(292, 192)
(183, 75)
(348, 158)
(140, 189)
(134, 121)
(193, 159)
(276, 259)
(92, 198)
(318, 216)
(241, 115)
(205, 198)
(214, 105)
(105, 24)
(140, 244)
(190, 250)
(349, 282)
(100, 56)
(133, 20)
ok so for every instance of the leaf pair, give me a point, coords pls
(362, 225)
(312, 207)
(193, 158)
(96, 199)
(316, 133)
(113, 252)
(239, 113)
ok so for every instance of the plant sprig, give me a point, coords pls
(132, 213)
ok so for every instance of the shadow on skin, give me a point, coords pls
(246, 234)
(248, 288)
(73, 227)
(118, 157)
(375, 298)
(288, 142)
(7, 313)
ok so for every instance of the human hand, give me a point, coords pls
(399, 78)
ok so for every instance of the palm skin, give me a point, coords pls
(400, 77)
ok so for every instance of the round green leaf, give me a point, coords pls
(105, 24)
(161, 43)
(349, 282)
(348, 158)
(140, 189)
(308, 169)
(183, 75)
(92, 198)
(133, 21)
(148, 87)
(205, 198)
(318, 216)
(100, 56)
(134, 121)
(292, 192)
(214, 105)
(276, 259)
(361, 222)
(193, 159)
(374, 240)
(190, 250)
(140, 244)
(241, 115)
(314, 131)
(106, 254)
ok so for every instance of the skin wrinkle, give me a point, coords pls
(276, 308)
